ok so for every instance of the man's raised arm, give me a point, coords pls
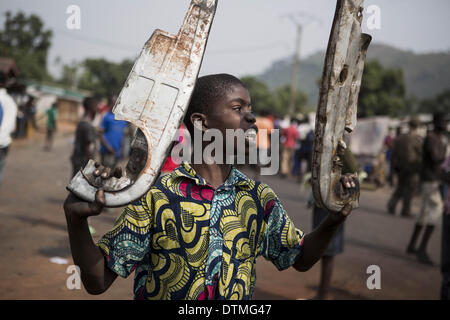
(96, 276)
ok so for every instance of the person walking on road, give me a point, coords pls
(85, 136)
(433, 156)
(406, 161)
(52, 115)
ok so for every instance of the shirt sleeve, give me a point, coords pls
(282, 242)
(126, 245)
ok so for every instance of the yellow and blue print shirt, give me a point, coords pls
(186, 240)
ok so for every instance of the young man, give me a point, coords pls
(197, 232)
(85, 136)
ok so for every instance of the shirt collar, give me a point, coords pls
(235, 178)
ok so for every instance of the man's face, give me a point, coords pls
(233, 111)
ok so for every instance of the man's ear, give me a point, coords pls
(199, 121)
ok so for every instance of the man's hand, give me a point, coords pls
(316, 242)
(348, 181)
(75, 208)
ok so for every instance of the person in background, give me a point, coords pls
(7, 123)
(52, 115)
(305, 153)
(433, 156)
(406, 161)
(85, 140)
(290, 135)
(30, 117)
(336, 246)
(445, 245)
(265, 127)
(111, 138)
(85, 136)
(389, 146)
(20, 122)
(296, 167)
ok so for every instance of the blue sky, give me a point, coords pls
(246, 37)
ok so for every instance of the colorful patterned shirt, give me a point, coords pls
(186, 240)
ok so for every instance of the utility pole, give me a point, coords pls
(295, 69)
(295, 18)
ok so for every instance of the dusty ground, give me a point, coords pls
(33, 230)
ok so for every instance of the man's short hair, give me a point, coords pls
(208, 90)
(89, 103)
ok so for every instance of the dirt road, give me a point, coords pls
(33, 230)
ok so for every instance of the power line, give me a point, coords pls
(269, 46)
(100, 42)
(300, 19)
(121, 46)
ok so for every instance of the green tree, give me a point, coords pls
(262, 98)
(283, 97)
(382, 91)
(102, 77)
(441, 103)
(70, 75)
(25, 40)
(276, 102)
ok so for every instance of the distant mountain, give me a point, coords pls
(426, 75)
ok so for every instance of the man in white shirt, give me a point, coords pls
(8, 122)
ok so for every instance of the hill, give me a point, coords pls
(425, 75)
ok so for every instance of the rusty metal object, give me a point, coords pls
(341, 81)
(154, 98)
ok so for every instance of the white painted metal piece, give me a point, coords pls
(155, 99)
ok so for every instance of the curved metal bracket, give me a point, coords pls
(341, 81)
(154, 98)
